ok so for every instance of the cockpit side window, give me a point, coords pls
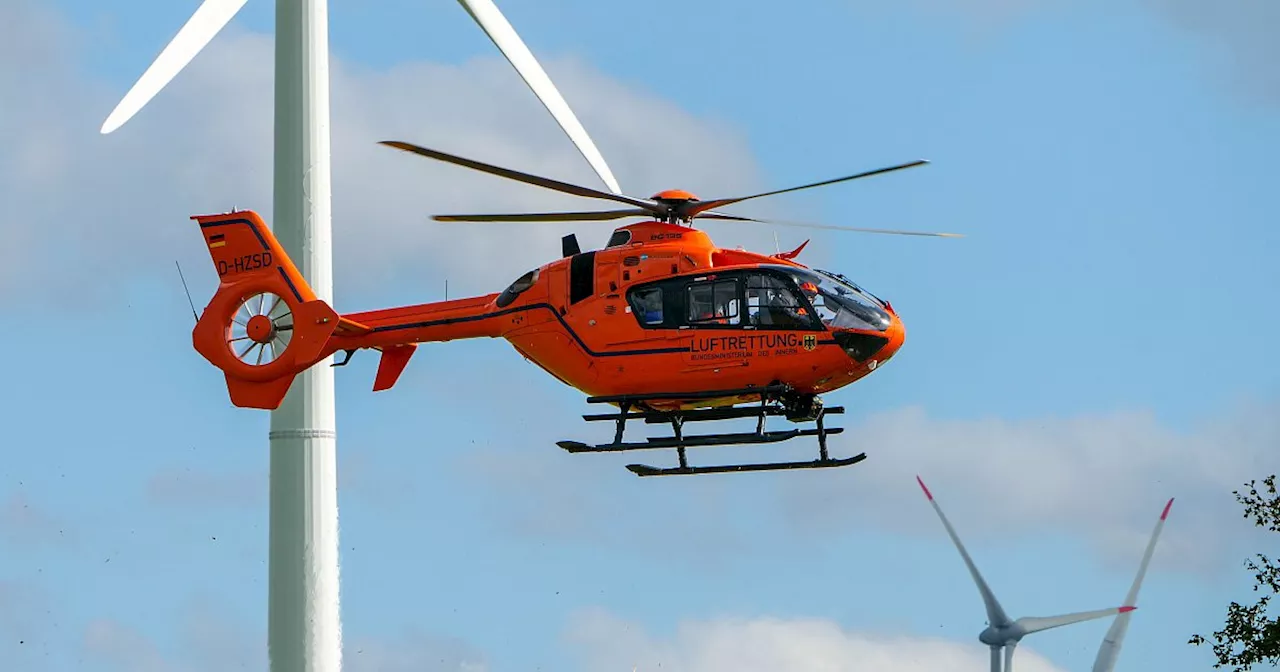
(840, 303)
(773, 304)
(521, 285)
(646, 303)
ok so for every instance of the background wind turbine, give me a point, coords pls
(495, 25)
(1002, 632)
(303, 621)
(303, 624)
(1109, 650)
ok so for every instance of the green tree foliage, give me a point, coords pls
(1249, 637)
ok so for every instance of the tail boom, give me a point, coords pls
(424, 323)
(265, 325)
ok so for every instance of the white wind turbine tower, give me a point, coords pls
(303, 623)
(1002, 632)
(1109, 650)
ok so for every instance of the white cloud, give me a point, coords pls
(1240, 34)
(1243, 34)
(413, 652)
(202, 487)
(1103, 478)
(195, 487)
(209, 639)
(28, 626)
(105, 208)
(24, 523)
(766, 644)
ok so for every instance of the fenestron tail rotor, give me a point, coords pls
(672, 206)
(260, 329)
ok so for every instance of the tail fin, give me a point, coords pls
(264, 325)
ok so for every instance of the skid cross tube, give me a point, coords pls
(775, 400)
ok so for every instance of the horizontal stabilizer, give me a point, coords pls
(391, 365)
(349, 327)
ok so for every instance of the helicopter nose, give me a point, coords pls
(897, 334)
(866, 348)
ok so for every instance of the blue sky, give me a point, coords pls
(1099, 342)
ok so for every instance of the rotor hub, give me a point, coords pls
(260, 329)
(674, 195)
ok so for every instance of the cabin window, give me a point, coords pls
(773, 304)
(521, 285)
(619, 237)
(582, 276)
(713, 302)
(647, 305)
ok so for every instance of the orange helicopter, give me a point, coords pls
(661, 323)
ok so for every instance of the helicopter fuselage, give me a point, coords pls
(661, 309)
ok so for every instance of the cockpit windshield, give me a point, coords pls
(841, 303)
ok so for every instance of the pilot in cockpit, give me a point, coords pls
(784, 310)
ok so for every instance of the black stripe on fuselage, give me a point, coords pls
(539, 306)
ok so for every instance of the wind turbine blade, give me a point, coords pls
(208, 19)
(495, 25)
(1109, 650)
(1030, 624)
(1008, 656)
(995, 613)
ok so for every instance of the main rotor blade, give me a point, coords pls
(546, 183)
(736, 218)
(703, 206)
(499, 30)
(599, 216)
(1109, 650)
(995, 613)
(207, 20)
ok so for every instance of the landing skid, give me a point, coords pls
(775, 400)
